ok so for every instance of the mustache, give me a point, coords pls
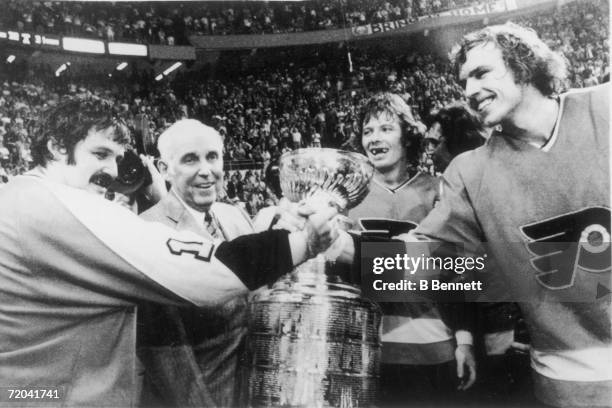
(101, 179)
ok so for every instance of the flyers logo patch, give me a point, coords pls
(562, 245)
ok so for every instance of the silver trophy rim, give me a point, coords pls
(358, 156)
(359, 160)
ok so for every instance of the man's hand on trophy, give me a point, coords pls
(291, 216)
(318, 233)
(320, 228)
(286, 216)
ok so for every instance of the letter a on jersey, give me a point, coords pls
(564, 244)
(200, 250)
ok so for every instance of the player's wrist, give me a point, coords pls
(298, 242)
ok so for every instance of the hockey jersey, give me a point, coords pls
(545, 214)
(73, 266)
(413, 333)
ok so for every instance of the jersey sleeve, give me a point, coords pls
(94, 244)
(453, 219)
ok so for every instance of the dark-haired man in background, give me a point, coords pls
(455, 130)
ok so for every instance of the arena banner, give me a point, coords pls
(25, 38)
(498, 6)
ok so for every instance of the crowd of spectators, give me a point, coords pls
(581, 32)
(298, 97)
(249, 188)
(171, 23)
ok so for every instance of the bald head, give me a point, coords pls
(192, 161)
(182, 130)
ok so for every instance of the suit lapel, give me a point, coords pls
(178, 214)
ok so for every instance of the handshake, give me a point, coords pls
(315, 228)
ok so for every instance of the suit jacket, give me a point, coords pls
(189, 354)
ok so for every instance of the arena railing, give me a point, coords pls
(243, 165)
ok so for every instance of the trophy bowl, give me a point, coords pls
(342, 176)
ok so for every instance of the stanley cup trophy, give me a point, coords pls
(313, 341)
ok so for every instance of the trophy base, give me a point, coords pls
(313, 342)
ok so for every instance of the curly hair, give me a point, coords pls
(461, 129)
(393, 104)
(70, 121)
(529, 58)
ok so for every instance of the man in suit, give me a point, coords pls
(190, 354)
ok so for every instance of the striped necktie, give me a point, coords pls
(210, 224)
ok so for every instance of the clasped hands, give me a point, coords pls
(318, 223)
